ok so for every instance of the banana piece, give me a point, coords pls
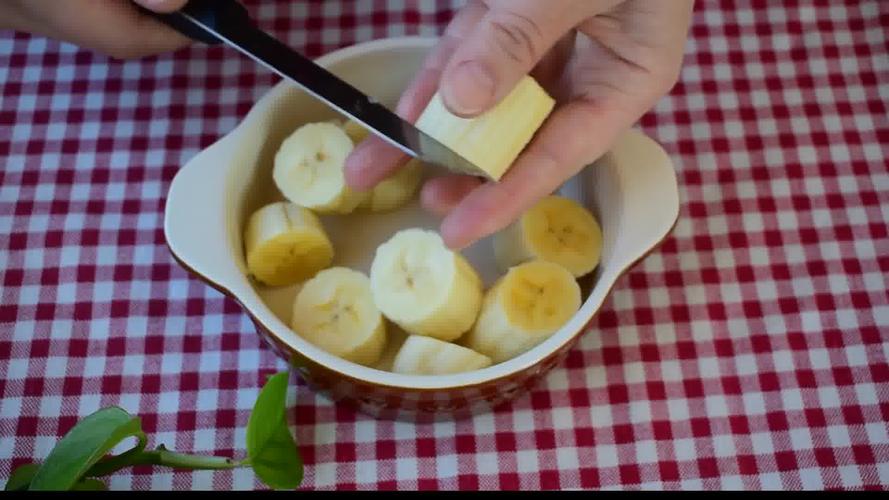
(523, 308)
(308, 169)
(395, 191)
(285, 244)
(428, 356)
(424, 287)
(395, 338)
(398, 189)
(355, 131)
(336, 312)
(493, 140)
(555, 229)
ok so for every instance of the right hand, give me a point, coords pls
(606, 62)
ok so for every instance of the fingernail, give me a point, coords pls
(158, 5)
(469, 89)
(452, 235)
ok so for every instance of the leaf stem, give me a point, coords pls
(166, 458)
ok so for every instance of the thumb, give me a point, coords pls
(509, 40)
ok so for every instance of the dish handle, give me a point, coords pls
(198, 219)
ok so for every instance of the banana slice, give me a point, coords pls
(355, 131)
(395, 338)
(308, 169)
(556, 229)
(523, 308)
(285, 244)
(493, 140)
(336, 312)
(428, 356)
(423, 286)
(398, 189)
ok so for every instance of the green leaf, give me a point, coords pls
(83, 446)
(89, 484)
(271, 449)
(21, 477)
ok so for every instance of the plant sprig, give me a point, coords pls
(81, 456)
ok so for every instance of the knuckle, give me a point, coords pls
(518, 36)
(667, 74)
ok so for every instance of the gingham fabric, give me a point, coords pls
(748, 352)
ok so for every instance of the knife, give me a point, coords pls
(227, 21)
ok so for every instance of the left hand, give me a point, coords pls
(605, 61)
(114, 28)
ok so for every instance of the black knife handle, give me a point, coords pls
(212, 13)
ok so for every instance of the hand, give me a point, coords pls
(113, 27)
(605, 61)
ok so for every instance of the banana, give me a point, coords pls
(494, 139)
(428, 356)
(555, 229)
(355, 131)
(395, 338)
(395, 191)
(398, 189)
(285, 244)
(424, 287)
(308, 169)
(523, 308)
(336, 312)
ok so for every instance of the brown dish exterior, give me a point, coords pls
(409, 403)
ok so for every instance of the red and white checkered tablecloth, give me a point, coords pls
(749, 351)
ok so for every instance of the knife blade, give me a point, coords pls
(227, 21)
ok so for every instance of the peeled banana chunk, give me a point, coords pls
(336, 312)
(355, 131)
(308, 169)
(555, 229)
(424, 287)
(493, 140)
(396, 191)
(428, 356)
(285, 244)
(527, 305)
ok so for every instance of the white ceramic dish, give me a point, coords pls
(632, 190)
